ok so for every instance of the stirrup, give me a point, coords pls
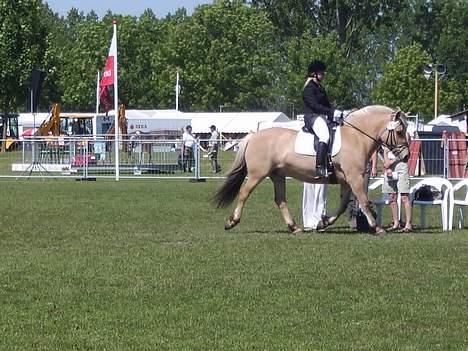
(321, 172)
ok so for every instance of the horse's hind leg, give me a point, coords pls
(361, 195)
(244, 194)
(279, 183)
(345, 193)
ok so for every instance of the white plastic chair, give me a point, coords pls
(445, 187)
(384, 200)
(460, 203)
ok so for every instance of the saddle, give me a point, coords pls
(307, 143)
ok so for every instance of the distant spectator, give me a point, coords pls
(188, 144)
(213, 147)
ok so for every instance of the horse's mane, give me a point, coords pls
(369, 110)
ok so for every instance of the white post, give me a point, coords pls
(177, 90)
(116, 106)
(33, 157)
(436, 92)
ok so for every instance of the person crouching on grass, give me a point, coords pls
(396, 180)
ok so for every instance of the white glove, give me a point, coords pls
(337, 114)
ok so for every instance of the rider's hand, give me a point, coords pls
(337, 114)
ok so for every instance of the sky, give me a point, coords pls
(124, 7)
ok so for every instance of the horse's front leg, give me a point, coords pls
(345, 193)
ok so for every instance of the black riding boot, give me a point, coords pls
(321, 160)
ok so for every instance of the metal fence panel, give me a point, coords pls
(151, 157)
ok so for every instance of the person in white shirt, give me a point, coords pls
(213, 147)
(188, 144)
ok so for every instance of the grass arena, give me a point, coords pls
(147, 265)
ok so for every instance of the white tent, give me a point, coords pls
(293, 124)
(29, 120)
(147, 121)
(237, 122)
(457, 121)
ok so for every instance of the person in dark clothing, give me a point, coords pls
(317, 112)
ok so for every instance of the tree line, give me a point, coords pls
(242, 55)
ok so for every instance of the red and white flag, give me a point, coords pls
(108, 77)
(108, 81)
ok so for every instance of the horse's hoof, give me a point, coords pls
(228, 226)
(297, 231)
(324, 222)
(321, 225)
(380, 232)
(230, 223)
(294, 229)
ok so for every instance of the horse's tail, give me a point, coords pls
(225, 195)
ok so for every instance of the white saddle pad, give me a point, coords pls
(305, 143)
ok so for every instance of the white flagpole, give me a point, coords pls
(97, 108)
(177, 88)
(116, 106)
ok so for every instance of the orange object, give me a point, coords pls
(457, 154)
(415, 148)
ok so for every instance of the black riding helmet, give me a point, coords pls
(316, 66)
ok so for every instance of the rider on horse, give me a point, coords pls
(317, 112)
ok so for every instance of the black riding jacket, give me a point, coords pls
(316, 101)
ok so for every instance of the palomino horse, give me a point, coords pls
(270, 153)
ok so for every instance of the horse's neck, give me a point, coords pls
(372, 125)
(369, 128)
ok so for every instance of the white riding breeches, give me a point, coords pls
(314, 203)
(320, 129)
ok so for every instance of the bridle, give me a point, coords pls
(390, 140)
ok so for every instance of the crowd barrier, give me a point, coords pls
(150, 157)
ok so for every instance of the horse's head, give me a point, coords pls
(394, 137)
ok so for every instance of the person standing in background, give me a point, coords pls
(396, 180)
(188, 143)
(213, 148)
(314, 205)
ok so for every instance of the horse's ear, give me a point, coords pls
(394, 121)
(398, 119)
(401, 116)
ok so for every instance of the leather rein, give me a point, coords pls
(391, 138)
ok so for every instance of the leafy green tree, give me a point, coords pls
(138, 80)
(451, 50)
(85, 55)
(346, 18)
(440, 27)
(22, 45)
(226, 56)
(403, 84)
(341, 74)
(57, 42)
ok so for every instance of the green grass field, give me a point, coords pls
(147, 265)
